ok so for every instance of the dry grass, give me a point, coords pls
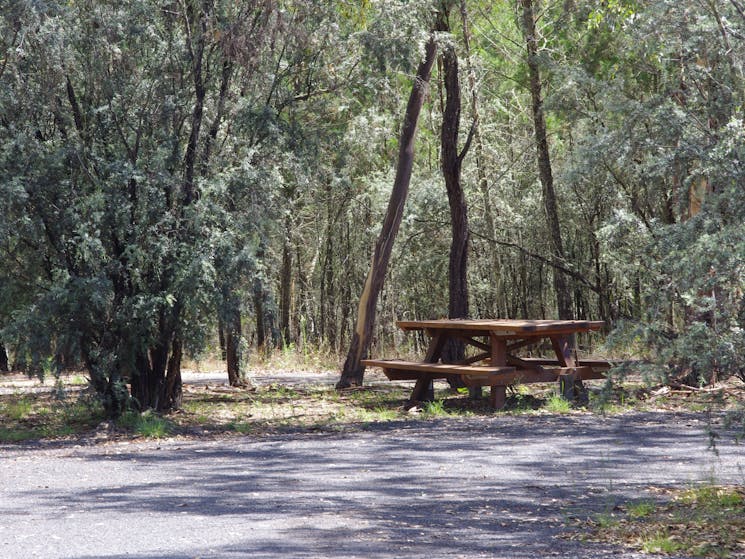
(704, 521)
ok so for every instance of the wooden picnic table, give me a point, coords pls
(495, 362)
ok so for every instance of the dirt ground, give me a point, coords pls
(500, 486)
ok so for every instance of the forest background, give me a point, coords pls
(178, 172)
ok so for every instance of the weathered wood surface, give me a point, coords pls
(540, 328)
(435, 368)
(597, 364)
(396, 369)
(501, 368)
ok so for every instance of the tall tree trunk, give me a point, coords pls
(258, 295)
(563, 296)
(494, 266)
(4, 367)
(221, 338)
(327, 322)
(353, 371)
(172, 394)
(285, 292)
(451, 162)
(233, 347)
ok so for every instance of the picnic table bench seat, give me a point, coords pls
(596, 364)
(472, 375)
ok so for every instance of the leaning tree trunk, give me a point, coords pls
(451, 162)
(353, 371)
(563, 296)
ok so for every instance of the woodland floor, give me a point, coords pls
(292, 468)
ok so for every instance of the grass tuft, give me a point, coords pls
(558, 404)
(148, 424)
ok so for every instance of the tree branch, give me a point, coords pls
(469, 139)
(553, 263)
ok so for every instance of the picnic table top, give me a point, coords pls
(538, 327)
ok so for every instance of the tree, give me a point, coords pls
(451, 161)
(545, 173)
(353, 370)
(109, 158)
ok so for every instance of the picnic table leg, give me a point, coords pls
(498, 397)
(570, 385)
(498, 394)
(424, 389)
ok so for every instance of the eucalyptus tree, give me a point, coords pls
(353, 371)
(451, 161)
(545, 171)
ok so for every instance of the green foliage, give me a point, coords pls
(18, 409)
(36, 416)
(148, 424)
(641, 509)
(435, 408)
(119, 248)
(661, 542)
(558, 404)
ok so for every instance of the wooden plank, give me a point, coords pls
(503, 325)
(564, 350)
(476, 358)
(470, 341)
(437, 368)
(396, 369)
(436, 344)
(599, 364)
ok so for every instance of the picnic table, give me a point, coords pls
(495, 362)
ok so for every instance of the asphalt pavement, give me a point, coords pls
(500, 487)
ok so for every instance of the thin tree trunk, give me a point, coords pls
(4, 367)
(563, 296)
(258, 293)
(353, 371)
(285, 293)
(233, 347)
(172, 395)
(221, 338)
(494, 265)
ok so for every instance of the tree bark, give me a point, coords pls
(233, 347)
(353, 371)
(258, 294)
(451, 162)
(563, 295)
(172, 395)
(221, 338)
(4, 367)
(285, 293)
